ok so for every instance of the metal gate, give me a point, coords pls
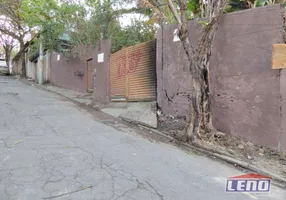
(133, 73)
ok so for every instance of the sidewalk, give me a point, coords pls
(143, 113)
(83, 98)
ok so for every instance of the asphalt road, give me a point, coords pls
(50, 148)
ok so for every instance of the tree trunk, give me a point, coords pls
(22, 57)
(200, 108)
(200, 116)
(7, 50)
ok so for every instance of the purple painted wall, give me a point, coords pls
(101, 87)
(64, 72)
(245, 91)
(173, 80)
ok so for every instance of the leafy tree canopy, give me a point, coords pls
(84, 22)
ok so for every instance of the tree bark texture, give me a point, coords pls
(200, 114)
(8, 49)
(22, 57)
(200, 108)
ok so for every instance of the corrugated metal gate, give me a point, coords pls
(133, 73)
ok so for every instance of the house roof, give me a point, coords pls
(65, 37)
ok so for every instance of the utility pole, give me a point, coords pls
(40, 63)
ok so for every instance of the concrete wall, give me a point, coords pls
(30, 69)
(3, 63)
(46, 62)
(47, 67)
(101, 83)
(282, 138)
(17, 66)
(173, 80)
(245, 91)
(65, 72)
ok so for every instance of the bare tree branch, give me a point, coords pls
(11, 24)
(8, 32)
(183, 28)
(176, 14)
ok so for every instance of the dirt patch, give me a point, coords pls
(264, 158)
(169, 122)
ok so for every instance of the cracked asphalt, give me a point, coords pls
(50, 148)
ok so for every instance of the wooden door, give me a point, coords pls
(90, 76)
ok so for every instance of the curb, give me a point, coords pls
(223, 157)
(138, 123)
(216, 154)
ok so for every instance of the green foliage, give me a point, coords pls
(85, 33)
(94, 20)
(203, 22)
(136, 33)
(236, 5)
(11, 22)
(36, 12)
(191, 5)
(51, 33)
(259, 3)
(193, 8)
(84, 24)
(51, 18)
(34, 48)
